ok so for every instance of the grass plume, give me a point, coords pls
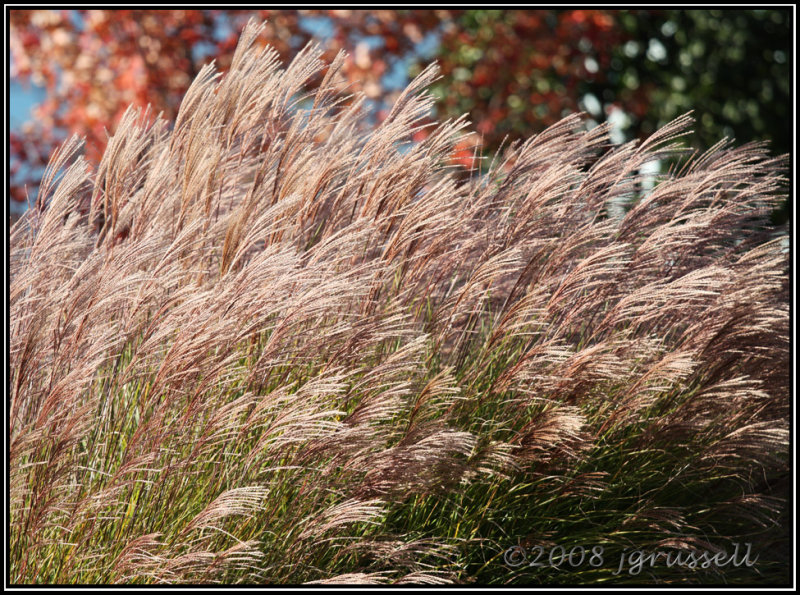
(273, 343)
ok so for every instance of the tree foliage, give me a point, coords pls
(94, 63)
(513, 71)
(522, 70)
(733, 68)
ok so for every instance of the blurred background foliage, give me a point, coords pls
(513, 71)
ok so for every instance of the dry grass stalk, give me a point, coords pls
(271, 323)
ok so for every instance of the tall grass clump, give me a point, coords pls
(273, 343)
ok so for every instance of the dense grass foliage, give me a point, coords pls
(271, 342)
